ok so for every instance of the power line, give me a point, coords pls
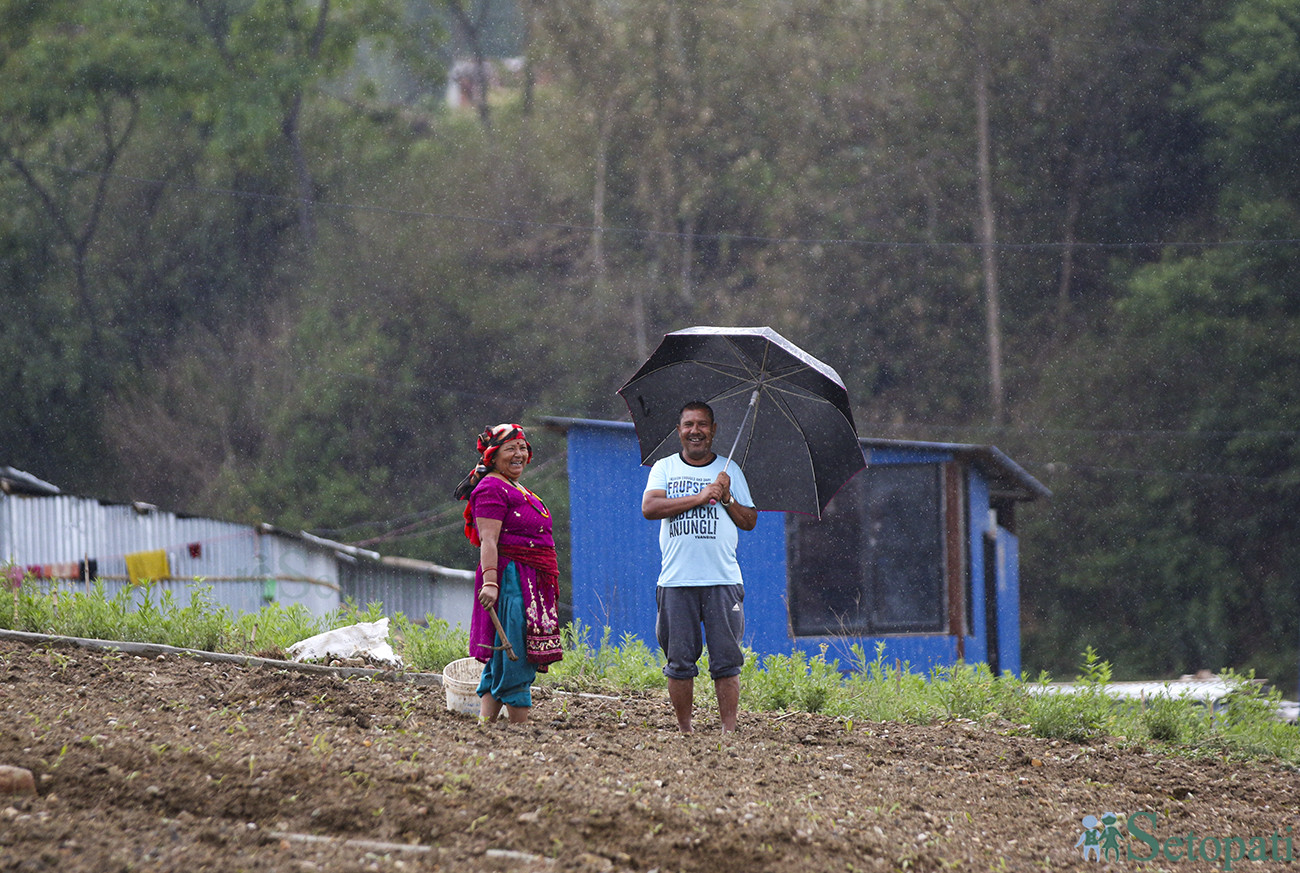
(1092, 432)
(413, 524)
(1006, 430)
(866, 429)
(675, 235)
(424, 385)
(1066, 467)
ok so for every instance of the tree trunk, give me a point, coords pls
(306, 198)
(988, 242)
(530, 74)
(291, 128)
(599, 267)
(1064, 286)
(474, 36)
(686, 271)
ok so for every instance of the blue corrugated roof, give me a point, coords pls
(1008, 478)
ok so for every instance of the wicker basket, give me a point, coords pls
(460, 681)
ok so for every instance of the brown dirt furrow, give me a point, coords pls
(178, 764)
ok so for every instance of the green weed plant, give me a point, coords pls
(603, 667)
(1086, 713)
(1243, 724)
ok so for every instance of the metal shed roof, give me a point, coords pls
(1007, 479)
(13, 481)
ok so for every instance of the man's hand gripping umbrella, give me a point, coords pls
(753, 401)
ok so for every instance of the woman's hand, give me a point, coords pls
(489, 532)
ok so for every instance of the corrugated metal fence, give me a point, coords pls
(402, 587)
(59, 539)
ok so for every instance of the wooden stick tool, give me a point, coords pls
(501, 632)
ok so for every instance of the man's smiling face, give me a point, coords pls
(696, 429)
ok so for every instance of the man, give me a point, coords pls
(700, 507)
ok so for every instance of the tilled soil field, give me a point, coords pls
(171, 762)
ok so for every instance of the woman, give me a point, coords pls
(518, 574)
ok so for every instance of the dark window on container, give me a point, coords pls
(874, 563)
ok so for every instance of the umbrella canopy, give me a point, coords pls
(784, 413)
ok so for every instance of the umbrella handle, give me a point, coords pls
(753, 401)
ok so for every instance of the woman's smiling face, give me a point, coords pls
(510, 458)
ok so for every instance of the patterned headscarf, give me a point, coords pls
(491, 439)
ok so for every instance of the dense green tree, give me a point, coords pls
(722, 131)
(124, 130)
(78, 82)
(269, 287)
(1177, 524)
(358, 403)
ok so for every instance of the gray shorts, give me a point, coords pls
(682, 611)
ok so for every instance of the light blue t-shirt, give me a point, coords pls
(698, 546)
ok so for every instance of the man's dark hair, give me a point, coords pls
(696, 404)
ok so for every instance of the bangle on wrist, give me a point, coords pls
(728, 501)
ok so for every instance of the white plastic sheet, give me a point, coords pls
(366, 639)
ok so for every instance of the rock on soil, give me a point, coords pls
(16, 780)
(180, 764)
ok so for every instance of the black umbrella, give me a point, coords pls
(785, 413)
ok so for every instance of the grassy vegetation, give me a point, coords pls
(1243, 724)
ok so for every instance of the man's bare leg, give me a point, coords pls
(728, 691)
(682, 693)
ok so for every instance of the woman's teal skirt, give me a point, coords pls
(510, 682)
